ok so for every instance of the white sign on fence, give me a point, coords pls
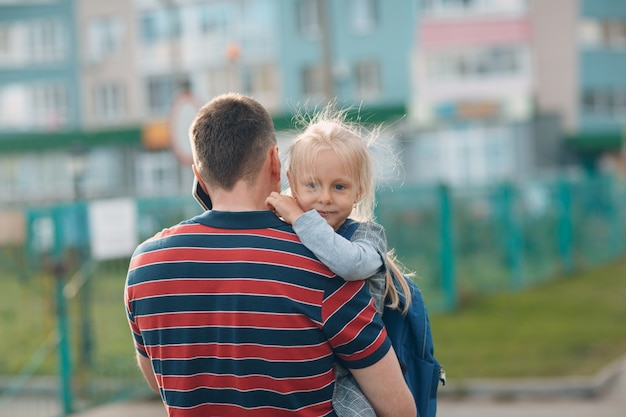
(112, 228)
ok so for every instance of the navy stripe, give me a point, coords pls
(217, 240)
(221, 366)
(250, 399)
(194, 269)
(268, 337)
(221, 302)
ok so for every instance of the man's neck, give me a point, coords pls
(243, 197)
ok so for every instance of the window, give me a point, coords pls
(367, 79)
(259, 80)
(157, 174)
(46, 41)
(109, 102)
(258, 35)
(467, 64)
(221, 80)
(615, 33)
(149, 30)
(363, 15)
(5, 42)
(104, 37)
(456, 7)
(602, 33)
(28, 106)
(605, 102)
(14, 106)
(215, 18)
(50, 105)
(162, 91)
(160, 25)
(308, 18)
(313, 83)
(619, 102)
(590, 32)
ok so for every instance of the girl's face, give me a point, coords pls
(330, 190)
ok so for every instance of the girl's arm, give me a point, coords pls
(351, 260)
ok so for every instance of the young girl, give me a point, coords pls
(331, 177)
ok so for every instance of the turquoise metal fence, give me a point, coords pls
(465, 243)
(66, 345)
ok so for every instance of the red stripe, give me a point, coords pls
(197, 228)
(241, 351)
(225, 286)
(341, 297)
(315, 410)
(355, 326)
(249, 382)
(255, 320)
(262, 256)
(368, 350)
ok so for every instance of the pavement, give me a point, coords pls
(601, 395)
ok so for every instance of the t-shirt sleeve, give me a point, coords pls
(354, 329)
(352, 260)
(136, 333)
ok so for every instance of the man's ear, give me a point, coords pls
(275, 162)
(197, 175)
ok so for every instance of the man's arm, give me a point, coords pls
(146, 369)
(385, 387)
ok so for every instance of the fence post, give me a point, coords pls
(60, 270)
(615, 218)
(513, 236)
(565, 226)
(446, 259)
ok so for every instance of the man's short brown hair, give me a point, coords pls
(230, 136)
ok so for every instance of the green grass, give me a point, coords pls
(570, 326)
(28, 315)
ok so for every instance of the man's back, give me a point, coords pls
(240, 319)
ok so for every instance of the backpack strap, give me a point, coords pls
(348, 228)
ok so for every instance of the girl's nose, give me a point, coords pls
(325, 196)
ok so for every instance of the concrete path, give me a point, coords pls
(601, 396)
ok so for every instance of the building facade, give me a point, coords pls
(489, 88)
(506, 89)
(123, 66)
(39, 93)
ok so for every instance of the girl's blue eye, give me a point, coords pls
(311, 185)
(340, 187)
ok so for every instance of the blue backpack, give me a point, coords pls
(412, 341)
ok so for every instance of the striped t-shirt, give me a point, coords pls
(240, 319)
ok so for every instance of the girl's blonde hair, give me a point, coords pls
(330, 129)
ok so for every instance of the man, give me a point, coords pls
(231, 314)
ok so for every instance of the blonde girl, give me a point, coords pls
(331, 178)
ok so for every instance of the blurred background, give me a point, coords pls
(508, 117)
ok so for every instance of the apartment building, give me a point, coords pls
(39, 94)
(506, 89)
(126, 63)
(593, 96)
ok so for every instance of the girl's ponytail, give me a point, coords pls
(395, 273)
